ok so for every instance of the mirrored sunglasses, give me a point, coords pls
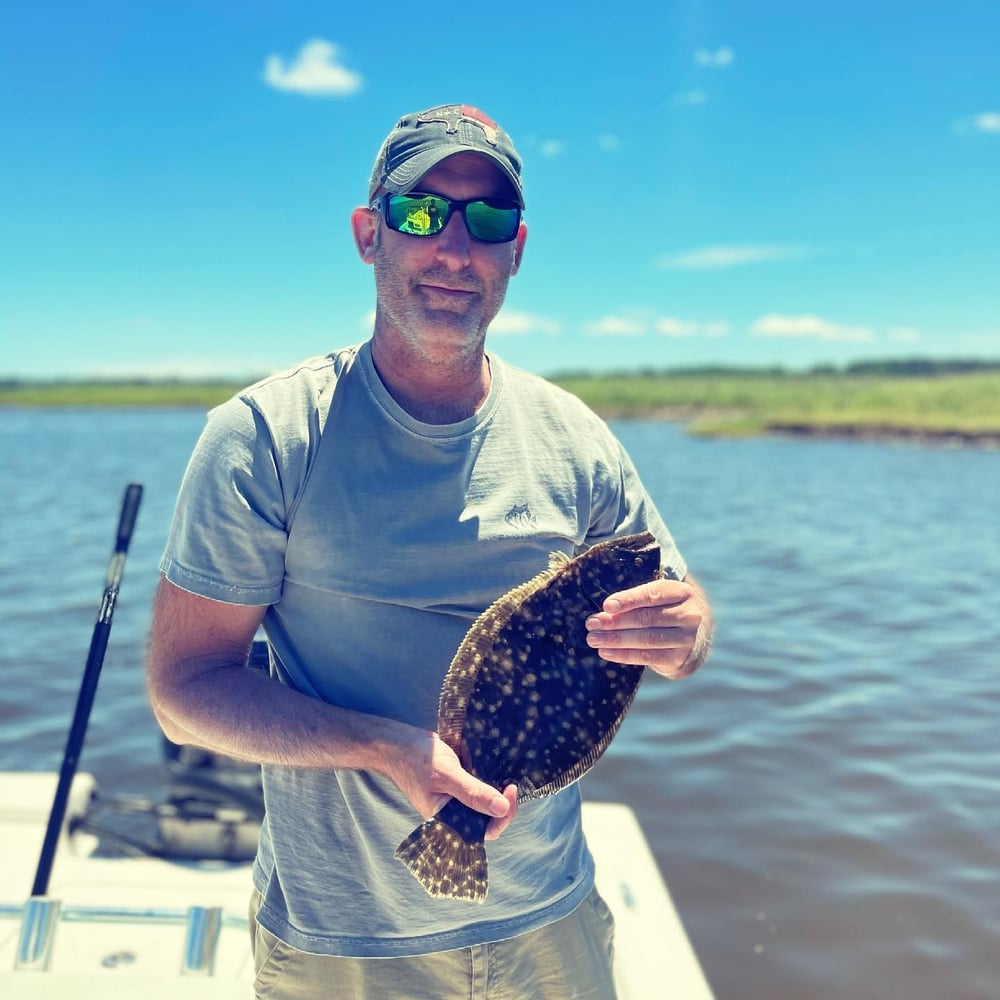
(488, 220)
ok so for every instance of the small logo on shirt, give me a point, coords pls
(520, 516)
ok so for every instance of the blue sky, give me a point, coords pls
(706, 182)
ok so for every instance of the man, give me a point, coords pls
(364, 508)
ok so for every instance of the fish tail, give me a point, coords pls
(449, 860)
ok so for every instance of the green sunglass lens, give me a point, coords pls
(423, 216)
(490, 222)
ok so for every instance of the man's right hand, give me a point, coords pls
(429, 773)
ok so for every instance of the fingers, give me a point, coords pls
(673, 664)
(647, 611)
(668, 651)
(655, 624)
(503, 808)
(655, 594)
(497, 825)
(476, 794)
(645, 631)
(429, 774)
(483, 798)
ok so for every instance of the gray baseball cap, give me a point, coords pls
(420, 141)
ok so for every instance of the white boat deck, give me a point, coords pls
(122, 932)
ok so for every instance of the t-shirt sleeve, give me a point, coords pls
(624, 507)
(227, 538)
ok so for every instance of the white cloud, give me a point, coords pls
(718, 59)
(640, 322)
(988, 121)
(553, 147)
(691, 98)
(904, 335)
(670, 326)
(809, 327)
(609, 143)
(315, 71)
(733, 255)
(985, 121)
(617, 326)
(508, 323)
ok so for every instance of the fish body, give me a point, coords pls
(526, 701)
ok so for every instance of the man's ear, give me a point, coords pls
(522, 235)
(364, 224)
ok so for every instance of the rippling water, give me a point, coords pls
(823, 798)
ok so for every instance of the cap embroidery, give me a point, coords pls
(454, 114)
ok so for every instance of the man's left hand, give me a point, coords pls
(665, 625)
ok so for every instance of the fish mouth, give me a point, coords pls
(643, 542)
(638, 544)
(625, 549)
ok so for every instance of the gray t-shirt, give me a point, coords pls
(375, 540)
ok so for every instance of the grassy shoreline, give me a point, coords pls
(961, 406)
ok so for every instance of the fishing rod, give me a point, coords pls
(88, 686)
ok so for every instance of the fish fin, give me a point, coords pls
(557, 560)
(528, 791)
(445, 864)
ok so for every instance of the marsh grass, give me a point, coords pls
(750, 402)
(712, 402)
(115, 392)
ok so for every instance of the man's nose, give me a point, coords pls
(452, 243)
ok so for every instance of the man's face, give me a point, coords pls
(438, 294)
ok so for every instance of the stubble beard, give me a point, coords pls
(437, 333)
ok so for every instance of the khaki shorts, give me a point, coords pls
(570, 959)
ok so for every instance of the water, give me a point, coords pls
(823, 798)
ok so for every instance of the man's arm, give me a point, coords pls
(203, 695)
(666, 625)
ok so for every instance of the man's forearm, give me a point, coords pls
(232, 710)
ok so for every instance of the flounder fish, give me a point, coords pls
(526, 701)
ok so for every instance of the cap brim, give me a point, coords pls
(407, 175)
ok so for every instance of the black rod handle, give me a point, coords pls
(88, 688)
